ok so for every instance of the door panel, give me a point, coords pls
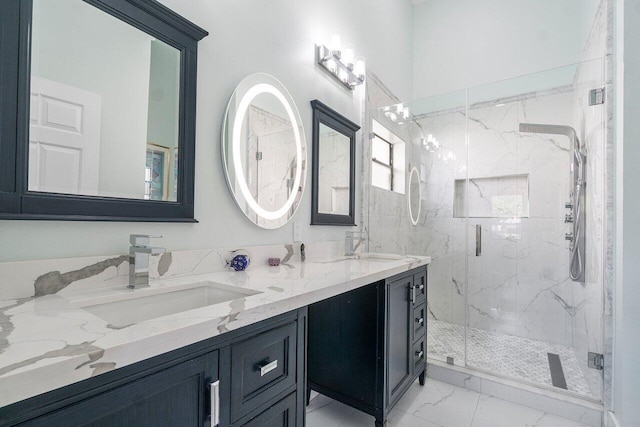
(399, 335)
(172, 397)
(64, 138)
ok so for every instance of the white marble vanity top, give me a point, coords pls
(50, 341)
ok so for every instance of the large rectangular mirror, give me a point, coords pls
(106, 110)
(333, 198)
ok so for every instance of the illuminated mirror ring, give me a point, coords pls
(414, 175)
(240, 177)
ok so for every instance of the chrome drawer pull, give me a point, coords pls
(420, 320)
(420, 354)
(215, 403)
(268, 367)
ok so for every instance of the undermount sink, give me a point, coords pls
(374, 257)
(128, 307)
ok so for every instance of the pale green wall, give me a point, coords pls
(627, 315)
(247, 36)
(465, 43)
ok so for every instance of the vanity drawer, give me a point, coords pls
(419, 322)
(420, 283)
(419, 354)
(262, 367)
(282, 414)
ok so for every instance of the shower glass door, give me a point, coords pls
(440, 153)
(526, 319)
(498, 218)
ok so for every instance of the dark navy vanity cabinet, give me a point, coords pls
(364, 348)
(253, 376)
(367, 346)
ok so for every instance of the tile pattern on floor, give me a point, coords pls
(437, 404)
(511, 356)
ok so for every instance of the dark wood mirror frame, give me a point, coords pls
(16, 201)
(328, 117)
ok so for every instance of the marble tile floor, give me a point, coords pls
(437, 404)
(512, 357)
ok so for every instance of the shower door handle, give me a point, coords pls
(478, 240)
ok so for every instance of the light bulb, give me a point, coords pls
(359, 68)
(344, 77)
(335, 43)
(347, 55)
(331, 65)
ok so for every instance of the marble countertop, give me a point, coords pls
(50, 341)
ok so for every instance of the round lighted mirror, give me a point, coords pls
(264, 151)
(414, 196)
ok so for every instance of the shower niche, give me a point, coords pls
(492, 197)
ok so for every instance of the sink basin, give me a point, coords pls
(128, 307)
(373, 257)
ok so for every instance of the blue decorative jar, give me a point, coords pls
(240, 261)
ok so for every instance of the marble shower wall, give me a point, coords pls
(269, 170)
(387, 219)
(334, 157)
(520, 284)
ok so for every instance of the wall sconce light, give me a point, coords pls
(341, 63)
(397, 113)
(431, 144)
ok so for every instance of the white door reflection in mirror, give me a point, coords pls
(135, 79)
(64, 138)
(333, 172)
(414, 196)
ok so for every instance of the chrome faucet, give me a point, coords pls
(139, 253)
(350, 239)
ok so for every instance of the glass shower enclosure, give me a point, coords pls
(512, 215)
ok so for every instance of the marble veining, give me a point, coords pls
(54, 281)
(50, 341)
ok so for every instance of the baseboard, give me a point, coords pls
(573, 408)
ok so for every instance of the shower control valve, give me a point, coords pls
(568, 218)
(568, 236)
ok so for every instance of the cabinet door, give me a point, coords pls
(399, 337)
(176, 396)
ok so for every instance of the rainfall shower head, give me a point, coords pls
(567, 131)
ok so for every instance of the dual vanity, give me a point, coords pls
(202, 345)
(221, 348)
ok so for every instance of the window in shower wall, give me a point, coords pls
(387, 160)
(492, 197)
(381, 163)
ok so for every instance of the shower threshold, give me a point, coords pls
(515, 358)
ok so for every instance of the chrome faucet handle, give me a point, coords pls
(141, 239)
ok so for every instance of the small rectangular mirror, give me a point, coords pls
(333, 198)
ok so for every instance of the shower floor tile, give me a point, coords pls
(511, 356)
